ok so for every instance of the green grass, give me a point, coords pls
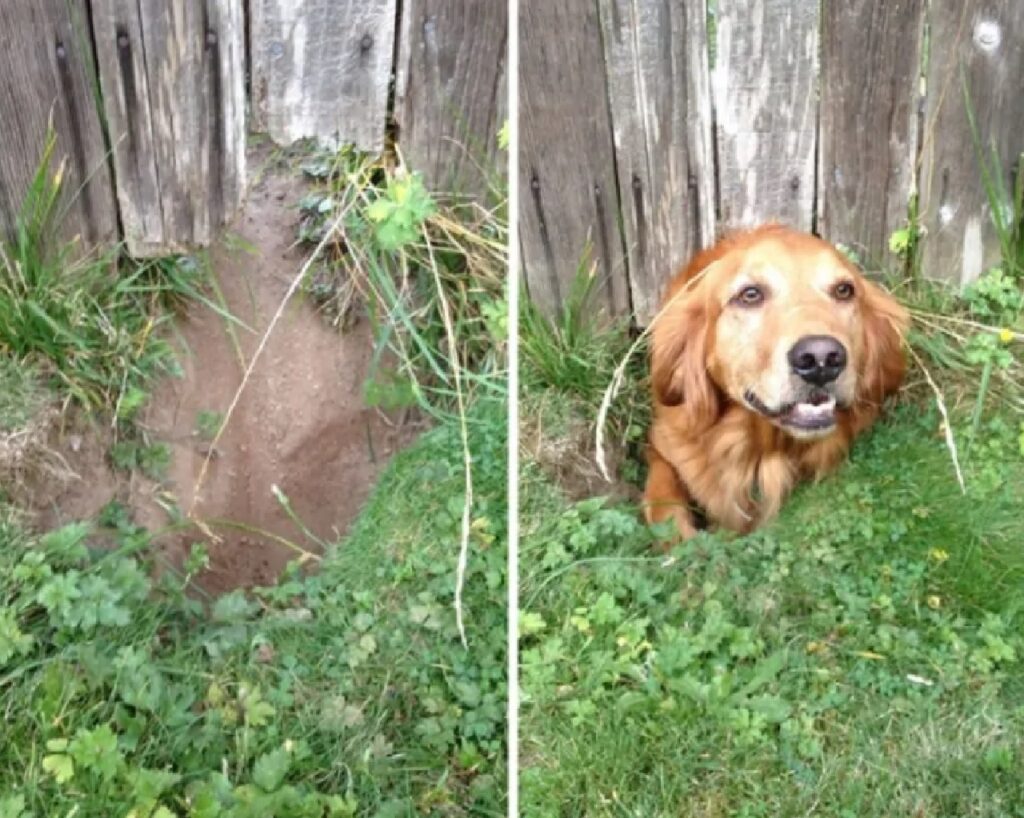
(860, 656)
(344, 693)
(87, 322)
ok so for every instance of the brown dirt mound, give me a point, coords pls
(300, 425)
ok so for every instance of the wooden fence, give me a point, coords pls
(149, 99)
(650, 126)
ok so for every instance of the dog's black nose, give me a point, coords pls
(818, 359)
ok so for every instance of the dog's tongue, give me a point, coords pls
(814, 412)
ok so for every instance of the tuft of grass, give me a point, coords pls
(566, 361)
(89, 323)
(572, 350)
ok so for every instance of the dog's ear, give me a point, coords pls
(679, 341)
(885, 324)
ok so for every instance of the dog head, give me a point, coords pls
(782, 324)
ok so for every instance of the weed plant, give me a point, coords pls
(429, 269)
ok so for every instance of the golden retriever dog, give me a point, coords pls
(770, 354)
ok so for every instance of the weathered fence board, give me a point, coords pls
(980, 44)
(321, 69)
(172, 82)
(764, 81)
(659, 89)
(870, 75)
(568, 193)
(46, 64)
(451, 91)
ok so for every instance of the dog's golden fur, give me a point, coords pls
(726, 400)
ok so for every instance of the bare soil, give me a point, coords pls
(300, 425)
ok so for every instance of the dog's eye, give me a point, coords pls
(750, 296)
(843, 291)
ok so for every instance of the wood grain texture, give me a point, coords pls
(452, 91)
(980, 42)
(568, 194)
(173, 89)
(764, 84)
(659, 89)
(321, 69)
(870, 76)
(46, 64)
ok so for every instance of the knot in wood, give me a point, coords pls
(366, 43)
(211, 37)
(988, 35)
(60, 51)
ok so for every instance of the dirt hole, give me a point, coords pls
(301, 424)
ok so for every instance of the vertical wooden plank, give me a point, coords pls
(980, 42)
(659, 89)
(46, 64)
(451, 91)
(321, 69)
(173, 89)
(765, 85)
(223, 75)
(870, 76)
(567, 165)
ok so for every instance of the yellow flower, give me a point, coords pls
(934, 602)
(940, 555)
(1006, 335)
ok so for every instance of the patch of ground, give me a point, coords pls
(558, 437)
(301, 423)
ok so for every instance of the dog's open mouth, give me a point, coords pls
(814, 413)
(817, 412)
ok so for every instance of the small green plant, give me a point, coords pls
(996, 297)
(399, 212)
(152, 459)
(991, 352)
(901, 241)
(208, 424)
